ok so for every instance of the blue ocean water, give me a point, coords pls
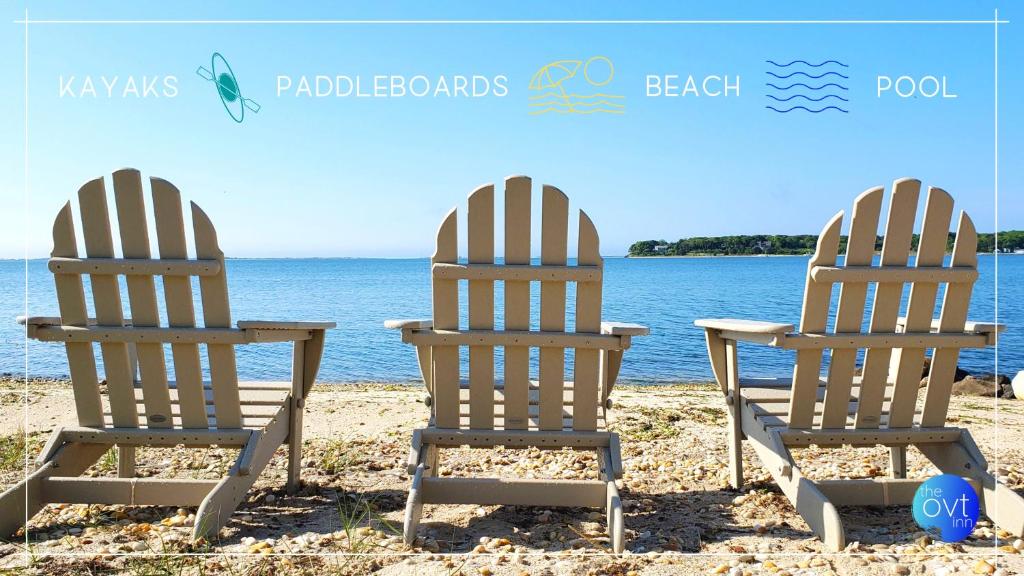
(359, 294)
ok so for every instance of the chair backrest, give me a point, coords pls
(522, 406)
(121, 343)
(894, 347)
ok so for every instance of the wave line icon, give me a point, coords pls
(772, 62)
(832, 85)
(806, 97)
(818, 111)
(808, 75)
(822, 87)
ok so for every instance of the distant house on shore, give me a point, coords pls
(660, 248)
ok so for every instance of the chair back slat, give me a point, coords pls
(860, 248)
(92, 200)
(554, 246)
(885, 307)
(517, 301)
(480, 217)
(517, 402)
(131, 217)
(445, 359)
(586, 369)
(813, 318)
(73, 312)
(931, 250)
(895, 349)
(951, 319)
(217, 314)
(170, 229)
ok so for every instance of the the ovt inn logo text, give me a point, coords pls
(946, 507)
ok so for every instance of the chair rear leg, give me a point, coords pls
(126, 461)
(23, 500)
(898, 461)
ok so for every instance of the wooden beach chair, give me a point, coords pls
(509, 408)
(137, 405)
(877, 405)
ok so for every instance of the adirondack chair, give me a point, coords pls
(878, 405)
(151, 410)
(512, 410)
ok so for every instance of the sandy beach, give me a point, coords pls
(681, 517)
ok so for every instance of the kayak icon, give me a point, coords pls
(223, 77)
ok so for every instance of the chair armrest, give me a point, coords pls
(408, 324)
(277, 325)
(39, 320)
(624, 329)
(970, 327)
(770, 333)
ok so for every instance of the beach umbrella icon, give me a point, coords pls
(220, 73)
(552, 75)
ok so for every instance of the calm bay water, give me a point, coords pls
(359, 294)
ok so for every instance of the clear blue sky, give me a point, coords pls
(373, 177)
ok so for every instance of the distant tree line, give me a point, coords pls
(788, 245)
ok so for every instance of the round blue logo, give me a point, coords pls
(946, 507)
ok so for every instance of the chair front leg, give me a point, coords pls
(296, 410)
(306, 357)
(735, 417)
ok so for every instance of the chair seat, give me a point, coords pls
(533, 409)
(260, 403)
(768, 399)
